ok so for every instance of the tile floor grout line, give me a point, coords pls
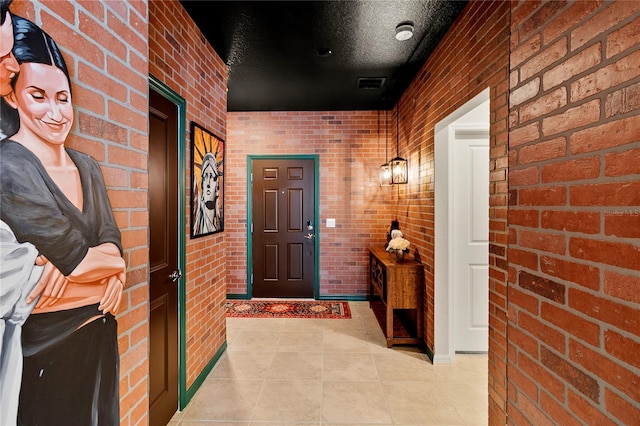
(264, 380)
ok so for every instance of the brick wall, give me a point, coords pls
(105, 47)
(473, 55)
(574, 213)
(350, 149)
(181, 58)
(573, 206)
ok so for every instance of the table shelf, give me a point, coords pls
(395, 296)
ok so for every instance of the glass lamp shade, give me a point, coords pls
(399, 170)
(385, 175)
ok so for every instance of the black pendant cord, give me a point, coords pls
(378, 123)
(386, 136)
(397, 132)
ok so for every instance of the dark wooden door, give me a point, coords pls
(163, 259)
(283, 206)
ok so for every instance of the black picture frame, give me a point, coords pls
(207, 164)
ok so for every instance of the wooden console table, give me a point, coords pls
(395, 295)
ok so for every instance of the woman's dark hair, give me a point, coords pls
(4, 8)
(30, 45)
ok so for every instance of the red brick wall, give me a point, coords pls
(109, 83)
(574, 213)
(350, 150)
(473, 55)
(180, 57)
(573, 208)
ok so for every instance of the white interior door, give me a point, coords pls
(470, 215)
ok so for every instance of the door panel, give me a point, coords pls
(270, 262)
(158, 329)
(295, 210)
(283, 247)
(471, 242)
(270, 210)
(163, 259)
(295, 262)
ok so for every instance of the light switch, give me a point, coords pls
(331, 223)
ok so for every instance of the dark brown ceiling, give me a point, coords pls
(276, 50)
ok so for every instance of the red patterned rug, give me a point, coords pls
(287, 309)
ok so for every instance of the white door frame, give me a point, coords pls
(444, 349)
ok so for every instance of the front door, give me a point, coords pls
(163, 259)
(471, 240)
(283, 239)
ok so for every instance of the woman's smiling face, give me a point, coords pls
(43, 100)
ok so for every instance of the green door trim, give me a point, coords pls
(316, 217)
(183, 395)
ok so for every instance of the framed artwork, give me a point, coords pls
(207, 182)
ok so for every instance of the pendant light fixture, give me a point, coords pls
(385, 169)
(398, 165)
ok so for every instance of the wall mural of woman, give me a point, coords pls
(54, 199)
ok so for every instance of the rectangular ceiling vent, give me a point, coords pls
(371, 82)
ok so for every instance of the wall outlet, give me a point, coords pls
(331, 223)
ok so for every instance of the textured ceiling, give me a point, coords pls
(276, 51)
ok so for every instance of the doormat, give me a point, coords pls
(287, 309)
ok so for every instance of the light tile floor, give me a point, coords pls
(333, 372)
